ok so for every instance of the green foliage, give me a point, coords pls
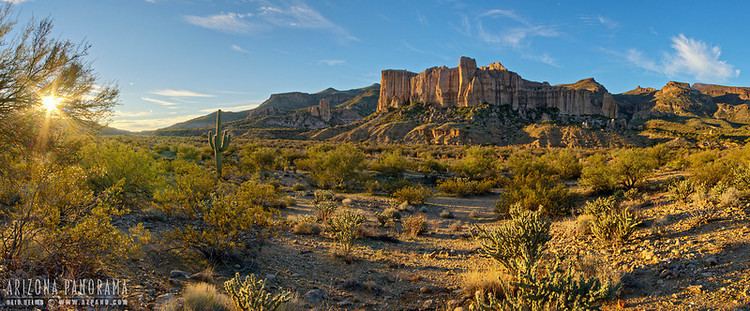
(612, 223)
(429, 165)
(462, 187)
(323, 196)
(535, 191)
(256, 193)
(414, 195)
(340, 167)
(189, 187)
(224, 224)
(478, 162)
(628, 168)
(188, 153)
(392, 163)
(259, 160)
(219, 143)
(344, 226)
(110, 161)
(518, 246)
(58, 223)
(324, 210)
(681, 191)
(563, 163)
(250, 294)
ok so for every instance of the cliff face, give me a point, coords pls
(467, 85)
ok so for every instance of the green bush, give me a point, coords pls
(462, 187)
(391, 163)
(518, 245)
(259, 160)
(256, 193)
(340, 167)
(533, 192)
(681, 191)
(478, 162)
(628, 168)
(110, 161)
(612, 223)
(189, 186)
(414, 195)
(250, 294)
(344, 226)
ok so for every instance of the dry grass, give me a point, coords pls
(414, 225)
(487, 279)
(205, 297)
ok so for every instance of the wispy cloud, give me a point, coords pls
(238, 49)
(14, 1)
(179, 93)
(600, 20)
(516, 35)
(544, 58)
(235, 108)
(422, 19)
(159, 102)
(149, 124)
(690, 57)
(268, 17)
(332, 62)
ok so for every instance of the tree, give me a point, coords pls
(34, 65)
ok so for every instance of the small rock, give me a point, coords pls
(424, 209)
(270, 277)
(315, 296)
(695, 289)
(425, 290)
(347, 202)
(446, 214)
(427, 304)
(404, 206)
(179, 275)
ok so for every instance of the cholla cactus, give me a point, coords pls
(250, 294)
(219, 142)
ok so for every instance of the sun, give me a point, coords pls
(50, 102)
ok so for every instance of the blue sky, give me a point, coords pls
(177, 59)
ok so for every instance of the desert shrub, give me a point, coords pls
(325, 209)
(429, 165)
(612, 223)
(392, 163)
(535, 191)
(476, 163)
(729, 198)
(203, 296)
(563, 163)
(681, 191)
(372, 186)
(323, 196)
(387, 216)
(628, 168)
(583, 225)
(57, 223)
(414, 225)
(462, 187)
(250, 294)
(256, 193)
(708, 202)
(709, 168)
(187, 152)
(259, 160)
(518, 246)
(483, 279)
(344, 226)
(224, 224)
(340, 167)
(109, 162)
(189, 187)
(306, 225)
(414, 195)
(392, 185)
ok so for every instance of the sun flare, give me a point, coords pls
(51, 102)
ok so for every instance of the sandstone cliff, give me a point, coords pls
(468, 85)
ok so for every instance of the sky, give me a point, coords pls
(177, 59)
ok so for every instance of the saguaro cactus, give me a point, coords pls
(219, 143)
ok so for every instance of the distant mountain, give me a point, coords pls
(111, 131)
(291, 101)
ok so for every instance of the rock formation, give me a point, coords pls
(467, 85)
(322, 111)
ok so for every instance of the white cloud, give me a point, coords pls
(236, 108)
(600, 20)
(149, 124)
(269, 17)
(691, 57)
(14, 1)
(159, 102)
(515, 35)
(180, 93)
(238, 49)
(332, 62)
